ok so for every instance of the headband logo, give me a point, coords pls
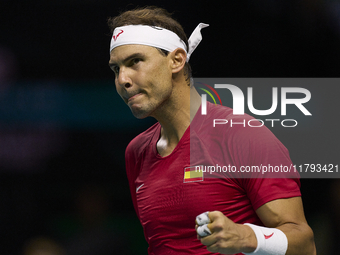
(158, 28)
(116, 36)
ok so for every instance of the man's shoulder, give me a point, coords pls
(224, 112)
(138, 144)
(216, 109)
(237, 129)
(222, 119)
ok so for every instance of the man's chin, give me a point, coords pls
(139, 114)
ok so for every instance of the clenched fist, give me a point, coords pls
(222, 235)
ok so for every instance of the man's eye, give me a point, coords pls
(115, 69)
(136, 60)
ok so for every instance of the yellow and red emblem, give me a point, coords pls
(193, 174)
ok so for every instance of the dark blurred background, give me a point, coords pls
(63, 128)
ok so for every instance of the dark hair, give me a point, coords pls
(152, 16)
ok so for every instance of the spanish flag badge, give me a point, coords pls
(193, 174)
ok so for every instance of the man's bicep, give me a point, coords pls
(282, 211)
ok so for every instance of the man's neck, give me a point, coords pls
(175, 118)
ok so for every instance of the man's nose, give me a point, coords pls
(124, 79)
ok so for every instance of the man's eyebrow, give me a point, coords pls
(134, 55)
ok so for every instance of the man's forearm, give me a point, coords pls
(300, 239)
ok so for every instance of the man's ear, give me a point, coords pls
(178, 58)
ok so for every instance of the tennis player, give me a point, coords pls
(182, 211)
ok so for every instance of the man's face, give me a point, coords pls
(143, 78)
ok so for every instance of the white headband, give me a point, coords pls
(156, 37)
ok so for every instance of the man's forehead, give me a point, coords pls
(121, 52)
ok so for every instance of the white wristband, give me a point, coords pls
(270, 241)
